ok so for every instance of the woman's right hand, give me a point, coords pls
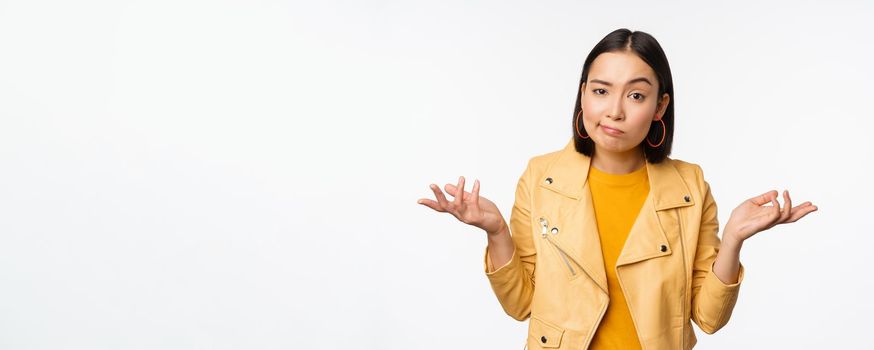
(467, 207)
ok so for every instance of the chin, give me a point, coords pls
(613, 147)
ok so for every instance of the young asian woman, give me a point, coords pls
(611, 243)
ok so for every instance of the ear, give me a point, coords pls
(582, 93)
(662, 107)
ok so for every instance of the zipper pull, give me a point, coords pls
(544, 226)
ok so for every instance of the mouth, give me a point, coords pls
(611, 131)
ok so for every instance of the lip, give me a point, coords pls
(611, 131)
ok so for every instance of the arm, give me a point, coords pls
(727, 265)
(512, 248)
(713, 300)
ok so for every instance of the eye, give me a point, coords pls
(639, 96)
(599, 93)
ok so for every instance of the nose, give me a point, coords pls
(617, 112)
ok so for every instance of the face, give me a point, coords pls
(621, 94)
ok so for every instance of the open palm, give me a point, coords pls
(752, 216)
(468, 207)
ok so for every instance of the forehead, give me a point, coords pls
(619, 67)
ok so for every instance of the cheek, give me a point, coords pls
(592, 112)
(590, 118)
(640, 122)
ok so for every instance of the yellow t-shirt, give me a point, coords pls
(617, 199)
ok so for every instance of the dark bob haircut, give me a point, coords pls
(648, 49)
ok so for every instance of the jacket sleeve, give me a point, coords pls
(712, 300)
(513, 283)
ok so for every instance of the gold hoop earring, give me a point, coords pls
(577, 125)
(664, 132)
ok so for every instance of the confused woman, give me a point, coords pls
(611, 244)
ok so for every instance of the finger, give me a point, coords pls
(801, 206)
(763, 198)
(787, 206)
(459, 193)
(474, 194)
(775, 214)
(431, 204)
(441, 199)
(450, 188)
(801, 211)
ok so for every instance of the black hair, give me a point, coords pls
(648, 49)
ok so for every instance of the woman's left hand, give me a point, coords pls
(752, 216)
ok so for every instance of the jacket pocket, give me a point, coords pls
(544, 334)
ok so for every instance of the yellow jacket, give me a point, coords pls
(665, 267)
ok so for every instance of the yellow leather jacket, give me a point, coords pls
(556, 274)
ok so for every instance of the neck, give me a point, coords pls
(618, 162)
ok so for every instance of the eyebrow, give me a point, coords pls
(632, 81)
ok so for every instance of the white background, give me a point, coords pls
(244, 174)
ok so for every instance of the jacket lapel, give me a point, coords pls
(567, 175)
(647, 238)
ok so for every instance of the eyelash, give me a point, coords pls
(642, 97)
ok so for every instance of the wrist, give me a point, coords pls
(731, 241)
(500, 231)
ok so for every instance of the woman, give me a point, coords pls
(614, 245)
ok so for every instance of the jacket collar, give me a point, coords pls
(569, 172)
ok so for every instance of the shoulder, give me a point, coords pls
(543, 160)
(539, 164)
(691, 173)
(685, 168)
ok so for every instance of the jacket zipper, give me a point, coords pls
(563, 256)
(683, 258)
(544, 231)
